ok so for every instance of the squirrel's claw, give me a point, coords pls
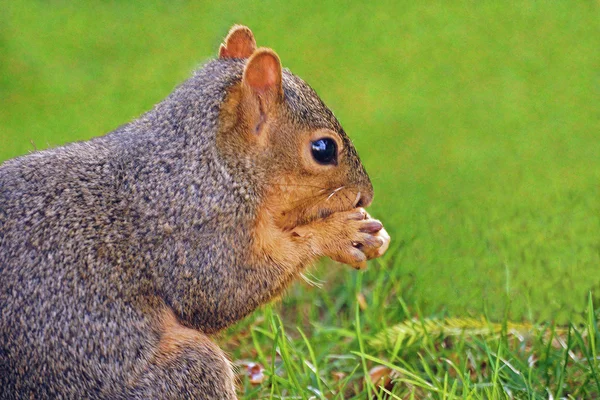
(378, 251)
(379, 240)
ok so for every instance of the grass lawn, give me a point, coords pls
(479, 123)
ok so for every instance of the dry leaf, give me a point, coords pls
(362, 302)
(255, 374)
(380, 375)
(338, 376)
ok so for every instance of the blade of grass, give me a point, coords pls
(314, 362)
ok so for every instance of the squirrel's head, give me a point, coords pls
(274, 125)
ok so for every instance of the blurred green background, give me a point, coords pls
(479, 123)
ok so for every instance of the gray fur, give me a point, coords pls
(94, 234)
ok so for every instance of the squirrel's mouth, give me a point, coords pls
(323, 208)
(342, 206)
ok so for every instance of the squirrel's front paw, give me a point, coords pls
(354, 237)
(374, 252)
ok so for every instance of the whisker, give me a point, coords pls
(321, 196)
(311, 202)
(347, 196)
(298, 185)
(306, 202)
(311, 282)
(334, 192)
(308, 198)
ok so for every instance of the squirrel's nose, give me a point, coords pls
(364, 199)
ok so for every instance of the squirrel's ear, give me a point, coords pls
(263, 74)
(239, 43)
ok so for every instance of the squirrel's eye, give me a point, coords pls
(324, 151)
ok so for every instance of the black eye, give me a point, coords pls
(324, 151)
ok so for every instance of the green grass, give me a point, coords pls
(437, 358)
(478, 123)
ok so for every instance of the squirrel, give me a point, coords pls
(120, 256)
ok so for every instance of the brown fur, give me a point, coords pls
(174, 337)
